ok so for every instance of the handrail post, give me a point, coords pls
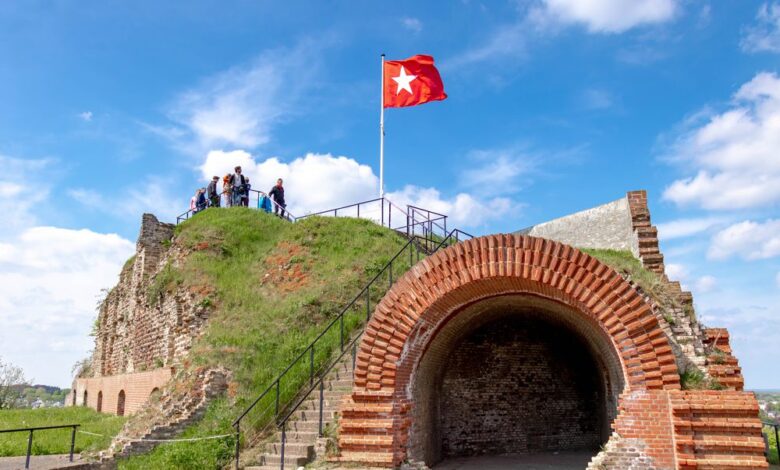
(277, 397)
(341, 331)
(358, 207)
(368, 302)
(311, 364)
(284, 441)
(238, 442)
(29, 449)
(322, 400)
(354, 358)
(777, 441)
(390, 274)
(72, 442)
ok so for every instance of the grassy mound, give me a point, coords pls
(626, 264)
(271, 286)
(56, 441)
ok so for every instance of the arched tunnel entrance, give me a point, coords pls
(509, 344)
(518, 375)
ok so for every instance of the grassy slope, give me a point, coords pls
(56, 441)
(625, 263)
(273, 285)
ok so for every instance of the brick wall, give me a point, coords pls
(136, 333)
(427, 297)
(606, 375)
(518, 385)
(137, 388)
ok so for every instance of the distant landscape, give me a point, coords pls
(38, 396)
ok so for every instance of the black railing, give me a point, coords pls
(253, 201)
(272, 396)
(776, 426)
(43, 428)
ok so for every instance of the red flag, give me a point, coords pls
(411, 82)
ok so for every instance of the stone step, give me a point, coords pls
(291, 449)
(307, 426)
(275, 461)
(306, 437)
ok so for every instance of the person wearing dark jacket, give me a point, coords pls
(238, 183)
(277, 193)
(212, 192)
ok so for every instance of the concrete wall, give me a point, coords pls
(137, 388)
(608, 227)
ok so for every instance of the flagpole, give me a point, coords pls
(382, 133)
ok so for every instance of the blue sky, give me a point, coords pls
(110, 109)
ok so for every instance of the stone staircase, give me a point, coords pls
(302, 434)
(717, 430)
(173, 415)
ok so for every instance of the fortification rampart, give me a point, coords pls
(142, 332)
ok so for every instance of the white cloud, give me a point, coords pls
(682, 228)
(86, 116)
(734, 153)
(20, 200)
(676, 272)
(412, 24)
(317, 182)
(764, 35)
(509, 43)
(496, 172)
(505, 42)
(594, 98)
(749, 240)
(49, 281)
(152, 195)
(604, 16)
(50, 277)
(240, 106)
(705, 284)
(464, 210)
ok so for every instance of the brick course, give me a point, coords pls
(479, 269)
(413, 330)
(137, 387)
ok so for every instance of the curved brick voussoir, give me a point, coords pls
(503, 264)
(434, 290)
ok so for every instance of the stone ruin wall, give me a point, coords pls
(140, 342)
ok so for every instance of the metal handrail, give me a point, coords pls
(338, 318)
(320, 377)
(186, 215)
(43, 428)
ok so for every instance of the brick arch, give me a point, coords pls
(376, 421)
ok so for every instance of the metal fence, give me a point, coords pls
(43, 428)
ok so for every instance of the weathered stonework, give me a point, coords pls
(141, 340)
(103, 393)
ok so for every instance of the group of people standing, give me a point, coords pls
(235, 192)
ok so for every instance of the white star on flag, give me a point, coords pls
(404, 81)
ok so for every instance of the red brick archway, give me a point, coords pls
(376, 421)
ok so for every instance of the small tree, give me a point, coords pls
(11, 377)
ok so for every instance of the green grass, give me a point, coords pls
(625, 263)
(272, 287)
(56, 441)
(193, 455)
(770, 432)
